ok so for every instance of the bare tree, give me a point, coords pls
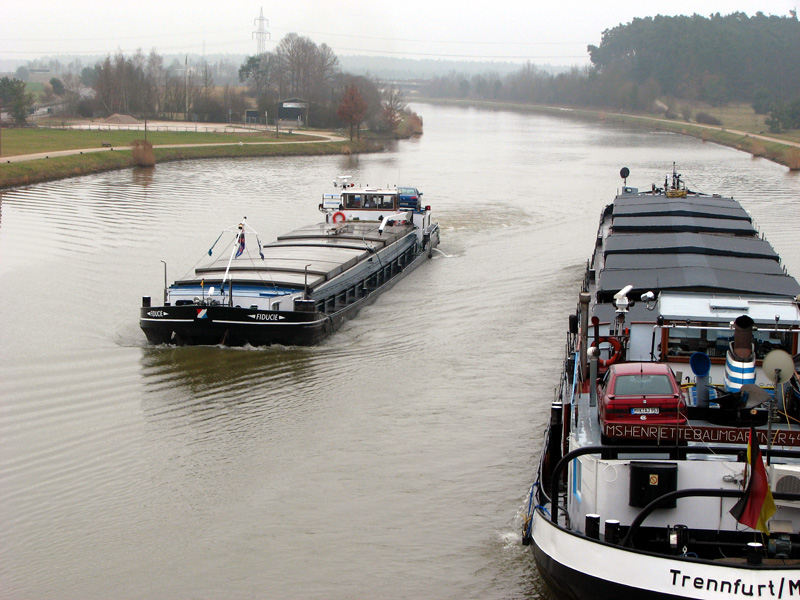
(72, 91)
(155, 81)
(394, 104)
(292, 56)
(324, 70)
(233, 101)
(303, 68)
(352, 109)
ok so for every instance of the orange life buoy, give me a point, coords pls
(615, 355)
(338, 214)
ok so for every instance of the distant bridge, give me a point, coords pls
(409, 87)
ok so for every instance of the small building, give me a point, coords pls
(252, 116)
(293, 110)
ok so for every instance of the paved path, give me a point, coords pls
(758, 136)
(321, 137)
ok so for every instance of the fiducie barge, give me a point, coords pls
(671, 462)
(300, 288)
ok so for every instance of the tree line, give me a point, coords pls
(142, 86)
(715, 60)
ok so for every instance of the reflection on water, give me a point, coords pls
(407, 439)
(143, 176)
(203, 369)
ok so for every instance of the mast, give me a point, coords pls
(235, 252)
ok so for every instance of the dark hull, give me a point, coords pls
(207, 326)
(194, 325)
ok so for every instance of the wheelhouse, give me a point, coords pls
(379, 200)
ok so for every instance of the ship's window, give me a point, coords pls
(718, 342)
(353, 201)
(715, 342)
(386, 202)
(684, 342)
(276, 305)
(766, 341)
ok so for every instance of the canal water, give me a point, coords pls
(393, 460)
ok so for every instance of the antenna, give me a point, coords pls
(261, 34)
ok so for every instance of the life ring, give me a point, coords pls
(338, 214)
(615, 356)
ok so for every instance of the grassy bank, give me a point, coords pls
(30, 140)
(36, 171)
(740, 118)
(775, 151)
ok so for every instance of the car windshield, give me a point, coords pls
(642, 385)
(407, 191)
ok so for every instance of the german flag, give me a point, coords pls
(756, 506)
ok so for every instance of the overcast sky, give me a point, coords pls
(543, 31)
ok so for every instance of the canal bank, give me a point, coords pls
(783, 152)
(37, 168)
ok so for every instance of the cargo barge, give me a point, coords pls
(300, 288)
(670, 466)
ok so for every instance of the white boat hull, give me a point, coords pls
(580, 568)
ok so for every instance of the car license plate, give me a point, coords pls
(647, 410)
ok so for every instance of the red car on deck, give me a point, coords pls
(640, 393)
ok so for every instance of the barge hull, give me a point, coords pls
(582, 569)
(195, 325)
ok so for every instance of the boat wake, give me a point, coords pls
(444, 253)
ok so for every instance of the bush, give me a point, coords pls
(85, 108)
(707, 119)
(762, 102)
(411, 125)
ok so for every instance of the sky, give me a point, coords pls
(552, 32)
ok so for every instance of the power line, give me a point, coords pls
(118, 37)
(261, 36)
(473, 56)
(261, 21)
(417, 41)
(322, 33)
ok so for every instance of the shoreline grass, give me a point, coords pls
(50, 169)
(23, 140)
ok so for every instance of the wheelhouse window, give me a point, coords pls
(370, 201)
(352, 201)
(379, 201)
(714, 342)
(766, 341)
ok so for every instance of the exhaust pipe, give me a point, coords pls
(740, 360)
(743, 337)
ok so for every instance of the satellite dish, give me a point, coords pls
(754, 395)
(624, 172)
(778, 366)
